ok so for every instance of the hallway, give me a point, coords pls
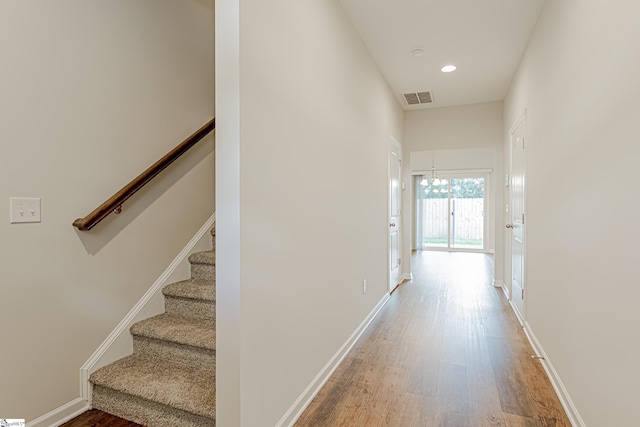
(446, 350)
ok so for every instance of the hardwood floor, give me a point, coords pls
(445, 351)
(95, 418)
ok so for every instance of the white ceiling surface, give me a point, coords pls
(485, 39)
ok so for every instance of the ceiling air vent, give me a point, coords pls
(418, 98)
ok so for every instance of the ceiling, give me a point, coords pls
(484, 39)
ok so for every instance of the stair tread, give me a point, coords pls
(181, 330)
(189, 388)
(203, 257)
(193, 289)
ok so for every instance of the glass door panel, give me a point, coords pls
(433, 214)
(467, 213)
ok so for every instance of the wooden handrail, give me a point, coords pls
(114, 203)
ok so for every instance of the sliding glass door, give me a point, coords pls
(450, 212)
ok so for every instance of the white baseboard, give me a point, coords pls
(119, 343)
(498, 283)
(505, 290)
(294, 412)
(61, 415)
(571, 410)
(517, 313)
(407, 276)
(563, 395)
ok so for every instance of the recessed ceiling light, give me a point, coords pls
(417, 52)
(448, 68)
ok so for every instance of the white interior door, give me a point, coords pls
(395, 194)
(517, 217)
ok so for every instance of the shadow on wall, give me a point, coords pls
(112, 225)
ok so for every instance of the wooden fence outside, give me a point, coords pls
(467, 219)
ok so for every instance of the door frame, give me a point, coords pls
(394, 146)
(522, 120)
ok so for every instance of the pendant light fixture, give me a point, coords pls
(435, 180)
(434, 177)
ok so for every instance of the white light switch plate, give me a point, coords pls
(24, 209)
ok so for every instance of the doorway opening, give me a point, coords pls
(450, 212)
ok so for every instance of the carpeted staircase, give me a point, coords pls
(169, 380)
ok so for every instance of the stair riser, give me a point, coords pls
(145, 412)
(186, 307)
(176, 353)
(203, 271)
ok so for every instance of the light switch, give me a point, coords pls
(24, 209)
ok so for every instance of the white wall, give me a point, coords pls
(460, 135)
(579, 83)
(228, 315)
(315, 119)
(466, 126)
(452, 160)
(92, 94)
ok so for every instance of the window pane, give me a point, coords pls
(434, 208)
(467, 213)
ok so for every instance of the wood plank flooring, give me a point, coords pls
(95, 418)
(445, 351)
